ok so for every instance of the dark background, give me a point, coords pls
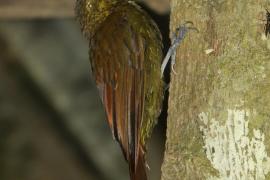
(52, 124)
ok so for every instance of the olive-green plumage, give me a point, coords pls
(125, 55)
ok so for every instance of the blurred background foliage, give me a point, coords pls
(52, 124)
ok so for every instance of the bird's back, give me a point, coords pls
(126, 55)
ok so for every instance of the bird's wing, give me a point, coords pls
(118, 63)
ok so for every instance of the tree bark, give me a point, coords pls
(219, 104)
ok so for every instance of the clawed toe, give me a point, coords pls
(179, 35)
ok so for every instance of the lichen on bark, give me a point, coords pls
(220, 70)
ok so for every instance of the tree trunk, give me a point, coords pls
(219, 104)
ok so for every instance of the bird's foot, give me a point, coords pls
(178, 36)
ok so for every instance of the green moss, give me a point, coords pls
(235, 76)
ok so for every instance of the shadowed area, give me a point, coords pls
(52, 124)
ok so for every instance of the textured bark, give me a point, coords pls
(219, 104)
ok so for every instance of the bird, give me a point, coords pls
(125, 53)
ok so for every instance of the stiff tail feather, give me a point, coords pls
(139, 172)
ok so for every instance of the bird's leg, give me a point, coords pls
(178, 36)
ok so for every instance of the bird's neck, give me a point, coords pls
(91, 13)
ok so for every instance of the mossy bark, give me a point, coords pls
(219, 104)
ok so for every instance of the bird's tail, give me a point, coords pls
(139, 172)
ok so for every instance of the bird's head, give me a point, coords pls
(91, 13)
